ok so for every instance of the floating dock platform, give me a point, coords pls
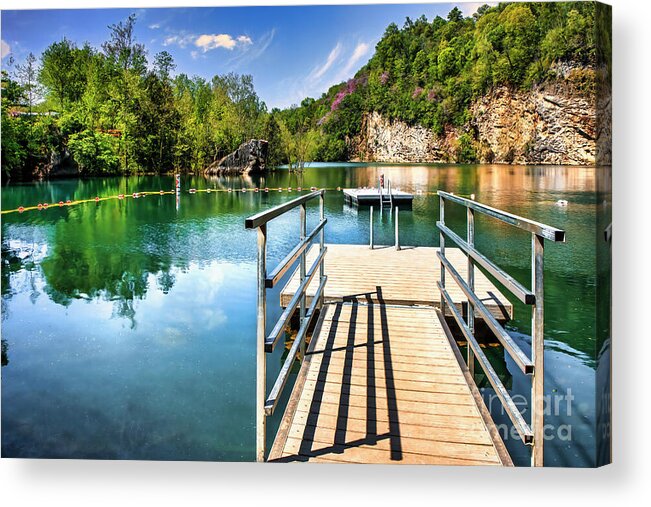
(371, 196)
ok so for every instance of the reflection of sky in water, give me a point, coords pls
(148, 351)
(167, 388)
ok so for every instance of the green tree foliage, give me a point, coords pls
(429, 72)
(115, 113)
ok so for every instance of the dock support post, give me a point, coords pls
(537, 351)
(261, 362)
(471, 283)
(442, 250)
(371, 228)
(397, 230)
(302, 273)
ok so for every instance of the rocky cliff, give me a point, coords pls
(553, 123)
(249, 158)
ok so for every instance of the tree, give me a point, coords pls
(27, 75)
(455, 15)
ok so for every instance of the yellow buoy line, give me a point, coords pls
(41, 206)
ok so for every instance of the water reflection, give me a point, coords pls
(140, 317)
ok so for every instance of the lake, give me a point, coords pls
(128, 326)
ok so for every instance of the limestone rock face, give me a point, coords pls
(562, 121)
(385, 141)
(249, 158)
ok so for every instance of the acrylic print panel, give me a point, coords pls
(244, 233)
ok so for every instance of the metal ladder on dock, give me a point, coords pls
(385, 199)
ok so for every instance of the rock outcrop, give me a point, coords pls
(558, 122)
(249, 158)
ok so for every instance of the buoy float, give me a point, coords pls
(207, 190)
(161, 192)
(120, 196)
(20, 209)
(255, 189)
(299, 189)
(561, 202)
(60, 203)
(134, 195)
(96, 199)
(280, 190)
(68, 202)
(266, 189)
(45, 205)
(338, 189)
(289, 189)
(230, 189)
(244, 190)
(312, 189)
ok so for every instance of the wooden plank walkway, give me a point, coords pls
(385, 384)
(404, 277)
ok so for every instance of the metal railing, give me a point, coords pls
(396, 228)
(531, 433)
(265, 405)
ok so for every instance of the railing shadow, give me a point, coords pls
(346, 377)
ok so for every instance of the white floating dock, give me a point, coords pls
(368, 196)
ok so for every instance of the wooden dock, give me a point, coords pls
(406, 277)
(385, 384)
(382, 379)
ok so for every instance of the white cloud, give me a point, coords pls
(360, 50)
(206, 42)
(5, 49)
(319, 71)
(249, 52)
(154, 26)
(181, 40)
(335, 69)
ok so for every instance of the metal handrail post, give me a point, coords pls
(302, 271)
(261, 362)
(442, 250)
(537, 350)
(371, 228)
(397, 230)
(322, 242)
(470, 219)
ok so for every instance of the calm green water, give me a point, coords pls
(128, 327)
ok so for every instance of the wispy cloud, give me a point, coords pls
(340, 64)
(180, 39)
(320, 70)
(360, 51)
(255, 49)
(207, 42)
(154, 26)
(469, 8)
(5, 49)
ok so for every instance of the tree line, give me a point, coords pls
(429, 72)
(113, 111)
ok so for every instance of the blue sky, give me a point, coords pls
(292, 52)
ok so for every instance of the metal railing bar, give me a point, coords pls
(283, 375)
(265, 216)
(276, 333)
(515, 287)
(284, 265)
(546, 231)
(524, 430)
(524, 363)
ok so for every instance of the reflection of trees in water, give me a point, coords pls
(18, 260)
(4, 347)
